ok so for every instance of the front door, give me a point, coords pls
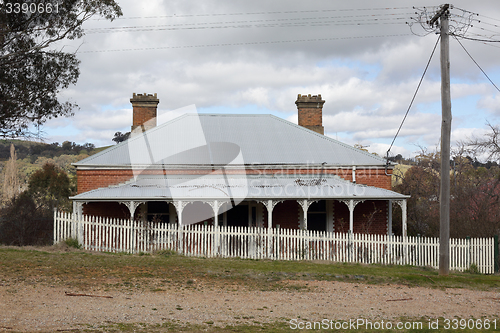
(316, 216)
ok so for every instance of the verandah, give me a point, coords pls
(114, 235)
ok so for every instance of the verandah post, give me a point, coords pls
(269, 228)
(179, 207)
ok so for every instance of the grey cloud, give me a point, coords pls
(360, 69)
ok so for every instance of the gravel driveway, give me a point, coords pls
(25, 307)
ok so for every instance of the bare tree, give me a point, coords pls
(11, 180)
(489, 144)
(475, 194)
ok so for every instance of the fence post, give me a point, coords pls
(418, 252)
(132, 232)
(469, 255)
(277, 242)
(79, 228)
(497, 254)
(54, 235)
(389, 248)
(405, 250)
(351, 246)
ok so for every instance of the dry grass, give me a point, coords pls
(61, 264)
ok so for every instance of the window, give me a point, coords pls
(238, 216)
(158, 211)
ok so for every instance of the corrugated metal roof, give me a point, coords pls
(221, 139)
(212, 187)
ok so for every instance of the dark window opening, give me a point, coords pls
(254, 216)
(316, 216)
(319, 206)
(158, 211)
(237, 216)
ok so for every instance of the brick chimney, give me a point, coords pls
(310, 110)
(144, 112)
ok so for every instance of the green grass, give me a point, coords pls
(84, 269)
(274, 327)
(99, 149)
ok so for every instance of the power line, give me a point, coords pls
(477, 64)
(462, 24)
(492, 45)
(414, 95)
(487, 23)
(478, 39)
(245, 43)
(272, 23)
(424, 16)
(484, 34)
(260, 13)
(486, 30)
(466, 11)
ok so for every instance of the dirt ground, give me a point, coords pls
(25, 307)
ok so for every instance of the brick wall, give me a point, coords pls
(369, 217)
(108, 209)
(142, 115)
(373, 177)
(310, 117)
(369, 176)
(92, 179)
(285, 214)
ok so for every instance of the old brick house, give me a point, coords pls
(244, 170)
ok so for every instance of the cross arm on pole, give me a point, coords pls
(439, 14)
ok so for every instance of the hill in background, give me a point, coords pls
(31, 156)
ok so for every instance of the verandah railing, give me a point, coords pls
(114, 235)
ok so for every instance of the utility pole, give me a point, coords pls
(444, 198)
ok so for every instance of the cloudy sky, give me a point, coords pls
(240, 56)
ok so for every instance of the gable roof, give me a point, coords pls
(222, 139)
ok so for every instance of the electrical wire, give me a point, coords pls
(363, 19)
(466, 11)
(245, 43)
(474, 22)
(476, 63)
(414, 95)
(479, 39)
(259, 13)
(271, 23)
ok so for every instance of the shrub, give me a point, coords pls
(473, 269)
(72, 242)
(24, 223)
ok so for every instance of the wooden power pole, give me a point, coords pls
(444, 198)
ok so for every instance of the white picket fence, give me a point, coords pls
(114, 235)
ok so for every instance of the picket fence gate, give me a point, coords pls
(115, 235)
